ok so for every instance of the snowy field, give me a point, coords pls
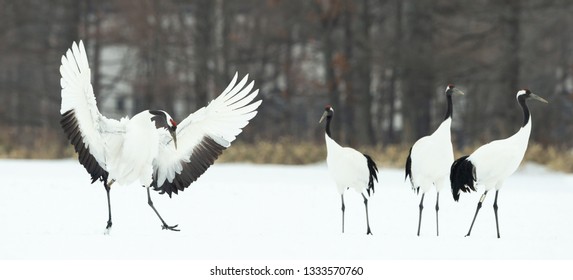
(50, 211)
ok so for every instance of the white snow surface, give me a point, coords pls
(49, 210)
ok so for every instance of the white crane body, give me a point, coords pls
(432, 156)
(499, 159)
(347, 167)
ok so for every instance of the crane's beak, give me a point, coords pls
(323, 116)
(538, 98)
(174, 136)
(457, 91)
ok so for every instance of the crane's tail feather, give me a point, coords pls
(462, 176)
(408, 171)
(373, 171)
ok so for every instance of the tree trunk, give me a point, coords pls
(362, 74)
(418, 71)
(202, 44)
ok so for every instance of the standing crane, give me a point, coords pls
(150, 148)
(492, 163)
(430, 158)
(349, 168)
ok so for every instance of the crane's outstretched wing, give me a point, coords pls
(202, 137)
(81, 120)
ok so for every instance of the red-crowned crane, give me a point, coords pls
(349, 168)
(428, 164)
(492, 163)
(150, 148)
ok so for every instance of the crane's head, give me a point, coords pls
(328, 113)
(451, 89)
(163, 120)
(525, 94)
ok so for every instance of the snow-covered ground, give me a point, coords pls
(49, 210)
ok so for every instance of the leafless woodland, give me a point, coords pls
(382, 64)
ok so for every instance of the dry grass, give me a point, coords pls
(552, 157)
(33, 142)
(36, 151)
(285, 151)
(292, 152)
(45, 144)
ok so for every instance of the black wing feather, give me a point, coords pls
(409, 167)
(409, 171)
(202, 157)
(373, 169)
(70, 125)
(462, 177)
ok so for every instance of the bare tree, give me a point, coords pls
(382, 63)
(417, 68)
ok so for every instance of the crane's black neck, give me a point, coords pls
(328, 119)
(521, 100)
(449, 112)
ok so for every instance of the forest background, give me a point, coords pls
(382, 64)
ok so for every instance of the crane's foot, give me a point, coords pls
(107, 228)
(368, 232)
(172, 228)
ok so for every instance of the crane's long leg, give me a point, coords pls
(164, 226)
(495, 211)
(368, 231)
(421, 206)
(437, 209)
(107, 189)
(477, 210)
(343, 208)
